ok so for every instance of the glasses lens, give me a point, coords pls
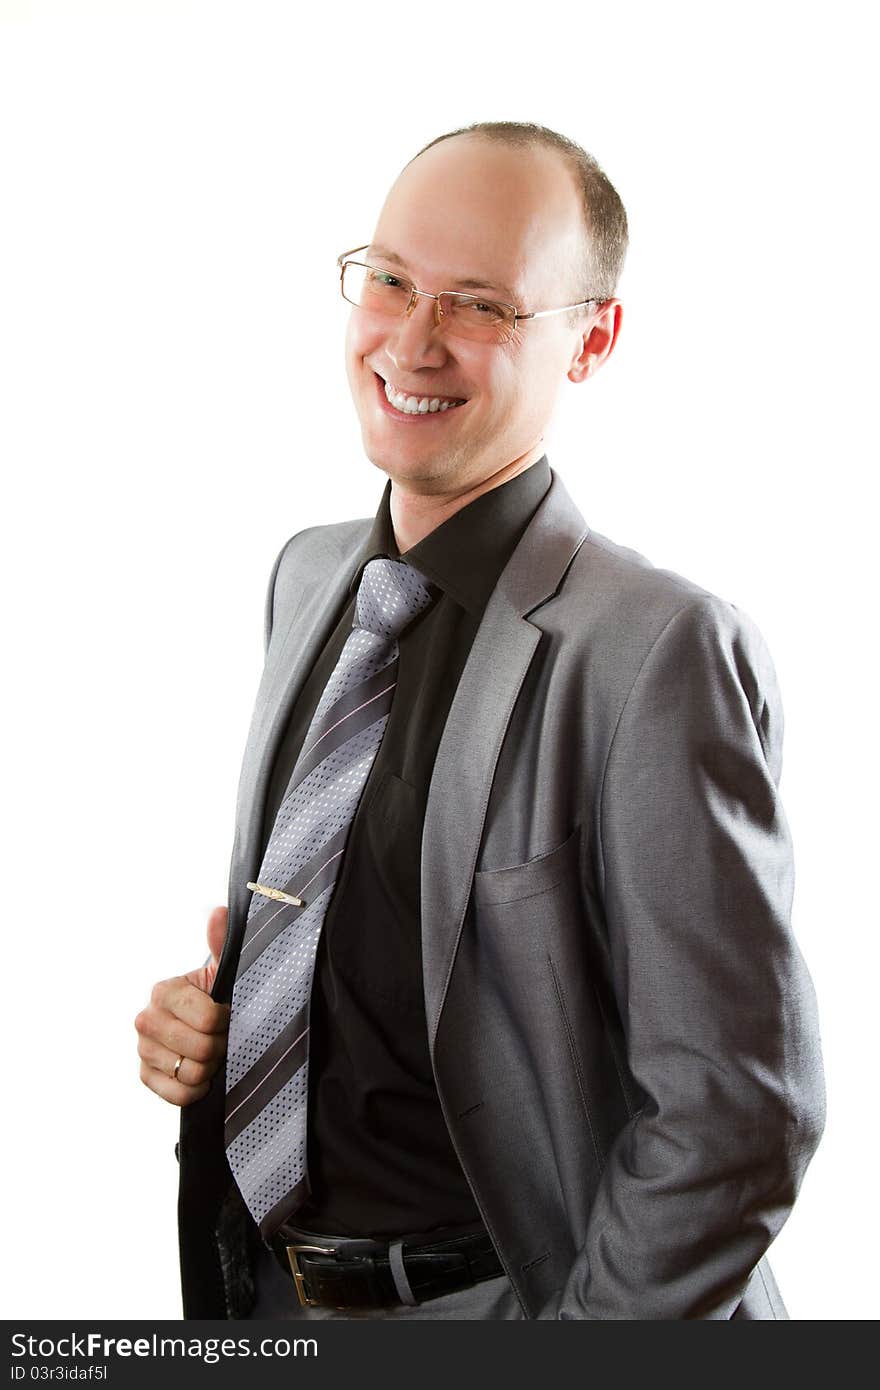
(376, 290)
(462, 315)
(481, 320)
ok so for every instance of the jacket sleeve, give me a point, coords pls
(719, 1011)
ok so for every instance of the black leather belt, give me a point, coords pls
(355, 1272)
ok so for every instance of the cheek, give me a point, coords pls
(362, 337)
(538, 372)
(505, 388)
(487, 377)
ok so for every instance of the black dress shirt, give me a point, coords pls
(380, 1159)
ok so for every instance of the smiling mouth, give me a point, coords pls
(418, 405)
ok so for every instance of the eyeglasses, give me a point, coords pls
(461, 315)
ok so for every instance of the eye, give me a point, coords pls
(484, 308)
(385, 279)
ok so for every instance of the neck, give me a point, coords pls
(415, 514)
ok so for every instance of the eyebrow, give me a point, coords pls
(466, 284)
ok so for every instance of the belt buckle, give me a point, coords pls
(298, 1276)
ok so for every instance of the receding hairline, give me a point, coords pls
(603, 216)
(485, 137)
(526, 144)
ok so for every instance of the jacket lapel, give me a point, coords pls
(464, 768)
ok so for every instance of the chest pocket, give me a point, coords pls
(397, 805)
(518, 882)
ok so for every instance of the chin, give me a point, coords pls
(403, 469)
(396, 465)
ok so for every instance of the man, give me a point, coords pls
(513, 1019)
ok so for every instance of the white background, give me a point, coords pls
(176, 182)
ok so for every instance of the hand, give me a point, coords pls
(182, 1019)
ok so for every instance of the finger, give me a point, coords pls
(175, 1092)
(189, 1073)
(191, 1005)
(203, 977)
(165, 1028)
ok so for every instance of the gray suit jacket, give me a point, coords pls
(623, 1032)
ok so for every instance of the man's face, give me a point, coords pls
(510, 220)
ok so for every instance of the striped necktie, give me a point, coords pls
(267, 1055)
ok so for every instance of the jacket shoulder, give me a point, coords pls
(632, 575)
(308, 554)
(618, 612)
(626, 586)
(332, 542)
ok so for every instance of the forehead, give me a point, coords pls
(497, 216)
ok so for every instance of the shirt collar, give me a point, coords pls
(467, 552)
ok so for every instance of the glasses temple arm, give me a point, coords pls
(543, 313)
(340, 259)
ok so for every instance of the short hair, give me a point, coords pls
(604, 214)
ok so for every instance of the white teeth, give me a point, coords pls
(415, 405)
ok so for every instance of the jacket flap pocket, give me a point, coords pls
(539, 875)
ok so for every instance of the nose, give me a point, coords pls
(415, 340)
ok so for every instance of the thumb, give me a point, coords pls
(217, 924)
(203, 978)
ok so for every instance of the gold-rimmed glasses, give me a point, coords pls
(471, 316)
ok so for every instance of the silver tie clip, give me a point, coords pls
(276, 894)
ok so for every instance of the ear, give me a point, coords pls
(597, 339)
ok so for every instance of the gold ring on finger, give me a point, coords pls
(176, 1072)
